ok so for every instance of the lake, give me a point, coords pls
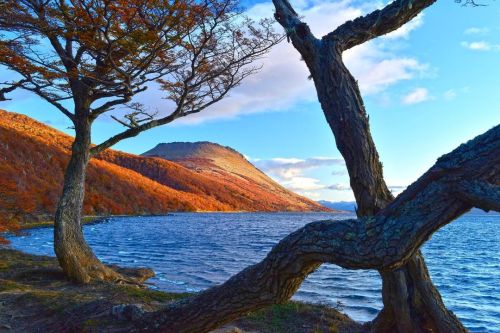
(193, 251)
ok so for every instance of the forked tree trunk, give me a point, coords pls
(412, 303)
(74, 254)
(407, 298)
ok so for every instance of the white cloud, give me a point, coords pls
(376, 74)
(450, 94)
(339, 187)
(283, 81)
(289, 168)
(418, 95)
(301, 184)
(476, 31)
(291, 173)
(481, 46)
(397, 189)
(311, 195)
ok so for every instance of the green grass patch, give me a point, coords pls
(293, 317)
(4, 264)
(275, 318)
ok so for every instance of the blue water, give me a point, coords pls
(191, 252)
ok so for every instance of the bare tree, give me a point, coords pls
(387, 241)
(388, 232)
(411, 302)
(96, 55)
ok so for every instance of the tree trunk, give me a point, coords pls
(75, 256)
(411, 302)
(389, 238)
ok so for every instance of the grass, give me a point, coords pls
(295, 317)
(8, 285)
(149, 295)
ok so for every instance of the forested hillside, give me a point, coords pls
(32, 161)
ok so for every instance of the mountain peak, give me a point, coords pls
(225, 163)
(185, 150)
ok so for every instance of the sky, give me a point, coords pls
(428, 87)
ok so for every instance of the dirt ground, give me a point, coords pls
(36, 297)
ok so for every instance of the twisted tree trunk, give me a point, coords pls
(408, 291)
(412, 302)
(75, 256)
(467, 177)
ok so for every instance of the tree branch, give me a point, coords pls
(37, 89)
(11, 87)
(377, 23)
(296, 30)
(384, 241)
(480, 194)
(132, 132)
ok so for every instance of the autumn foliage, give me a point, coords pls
(33, 158)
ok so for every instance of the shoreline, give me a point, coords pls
(89, 219)
(33, 287)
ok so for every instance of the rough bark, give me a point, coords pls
(74, 254)
(385, 241)
(412, 303)
(344, 110)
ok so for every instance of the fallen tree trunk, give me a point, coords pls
(465, 178)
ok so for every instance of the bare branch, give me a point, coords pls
(137, 117)
(297, 31)
(472, 3)
(132, 132)
(480, 194)
(10, 88)
(377, 23)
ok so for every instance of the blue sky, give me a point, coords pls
(428, 87)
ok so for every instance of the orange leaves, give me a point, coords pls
(9, 216)
(115, 48)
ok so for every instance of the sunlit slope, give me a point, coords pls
(234, 172)
(32, 161)
(33, 157)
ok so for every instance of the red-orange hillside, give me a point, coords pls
(33, 157)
